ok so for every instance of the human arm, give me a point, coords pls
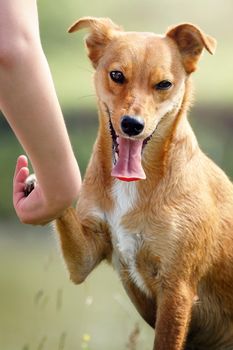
(29, 102)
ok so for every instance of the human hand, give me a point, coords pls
(29, 202)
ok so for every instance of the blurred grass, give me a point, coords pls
(73, 77)
(40, 308)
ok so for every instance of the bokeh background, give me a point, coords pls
(39, 308)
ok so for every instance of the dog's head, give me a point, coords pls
(140, 79)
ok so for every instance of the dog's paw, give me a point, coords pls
(30, 184)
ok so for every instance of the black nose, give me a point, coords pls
(131, 126)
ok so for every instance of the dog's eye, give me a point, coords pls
(163, 85)
(117, 76)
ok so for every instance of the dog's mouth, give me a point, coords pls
(127, 156)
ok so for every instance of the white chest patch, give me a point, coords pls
(125, 243)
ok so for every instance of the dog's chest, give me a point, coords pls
(126, 242)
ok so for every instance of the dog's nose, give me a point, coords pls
(132, 126)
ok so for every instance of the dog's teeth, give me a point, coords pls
(115, 158)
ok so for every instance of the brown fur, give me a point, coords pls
(183, 212)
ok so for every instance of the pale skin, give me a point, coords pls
(29, 102)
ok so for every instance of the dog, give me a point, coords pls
(152, 203)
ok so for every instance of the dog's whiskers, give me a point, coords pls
(85, 96)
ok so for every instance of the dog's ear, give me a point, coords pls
(191, 41)
(102, 31)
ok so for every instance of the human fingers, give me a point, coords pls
(19, 185)
(21, 162)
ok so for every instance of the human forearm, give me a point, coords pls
(33, 111)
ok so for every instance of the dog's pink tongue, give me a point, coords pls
(129, 167)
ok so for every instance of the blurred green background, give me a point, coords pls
(40, 308)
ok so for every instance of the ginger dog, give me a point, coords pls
(152, 203)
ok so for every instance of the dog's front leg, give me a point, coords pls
(173, 317)
(84, 243)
